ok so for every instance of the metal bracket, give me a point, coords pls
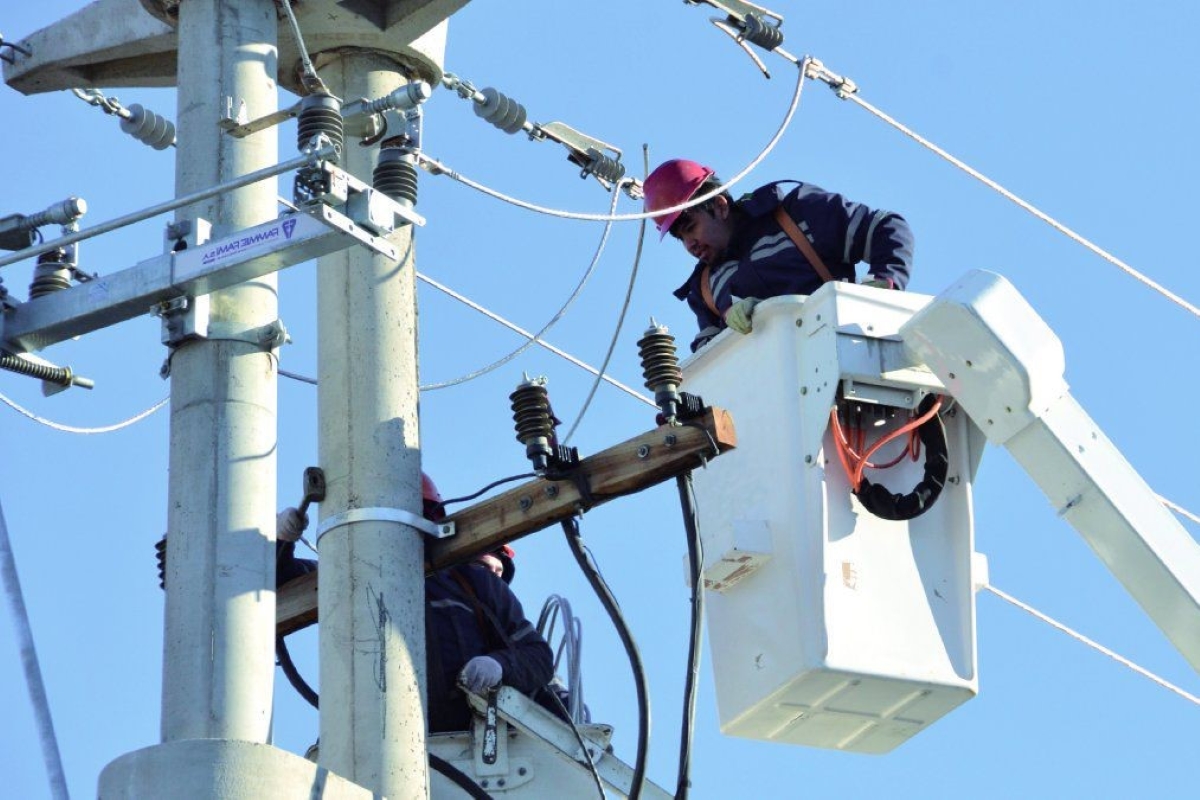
(324, 183)
(438, 530)
(738, 9)
(586, 152)
(239, 128)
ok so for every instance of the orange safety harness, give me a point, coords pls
(798, 238)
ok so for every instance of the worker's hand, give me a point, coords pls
(878, 283)
(290, 525)
(739, 314)
(481, 673)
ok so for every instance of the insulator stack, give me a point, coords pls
(759, 32)
(501, 110)
(407, 96)
(319, 114)
(660, 368)
(535, 427)
(52, 273)
(603, 167)
(160, 556)
(148, 127)
(396, 176)
(61, 213)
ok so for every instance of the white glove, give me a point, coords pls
(878, 283)
(481, 673)
(290, 525)
(739, 314)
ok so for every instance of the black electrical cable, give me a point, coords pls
(452, 773)
(491, 485)
(695, 564)
(574, 541)
(883, 503)
(579, 738)
(293, 675)
(459, 778)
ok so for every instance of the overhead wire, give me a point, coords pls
(551, 323)
(72, 429)
(1178, 509)
(1093, 644)
(437, 168)
(818, 72)
(533, 337)
(29, 662)
(309, 77)
(612, 344)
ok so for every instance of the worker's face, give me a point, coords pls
(705, 232)
(489, 561)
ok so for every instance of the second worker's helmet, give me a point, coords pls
(670, 184)
(432, 508)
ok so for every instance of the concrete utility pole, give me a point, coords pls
(218, 671)
(372, 589)
(218, 665)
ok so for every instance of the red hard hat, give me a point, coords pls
(433, 508)
(506, 554)
(672, 182)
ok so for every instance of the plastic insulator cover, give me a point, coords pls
(604, 167)
(501, 110)
(149, 128)
(762, 33)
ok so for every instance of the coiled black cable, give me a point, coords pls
(575, 542)
(883, 503)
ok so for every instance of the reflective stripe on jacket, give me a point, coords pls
(763, 262)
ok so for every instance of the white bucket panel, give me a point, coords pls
(849, 631)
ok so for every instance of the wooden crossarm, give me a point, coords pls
(624, 469)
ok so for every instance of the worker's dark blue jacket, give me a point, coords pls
(461, 623)
(487, 620)
(763, 262)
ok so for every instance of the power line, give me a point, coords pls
(551, 323)
(1092, 644)
(29, 661)
(72, 429)
(847, 90)
(437, 168)
(534, 338)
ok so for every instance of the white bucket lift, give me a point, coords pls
(830, 626)
(833, 627)
(533, 754)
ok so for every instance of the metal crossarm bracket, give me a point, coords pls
(315, 231)
(738, 9)
(587, 152)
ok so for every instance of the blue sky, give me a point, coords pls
(1086, 110)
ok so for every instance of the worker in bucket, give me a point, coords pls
(476, 633)
(786, 237)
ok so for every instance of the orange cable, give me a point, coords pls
(911, 425)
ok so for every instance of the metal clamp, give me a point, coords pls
(438, 530)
